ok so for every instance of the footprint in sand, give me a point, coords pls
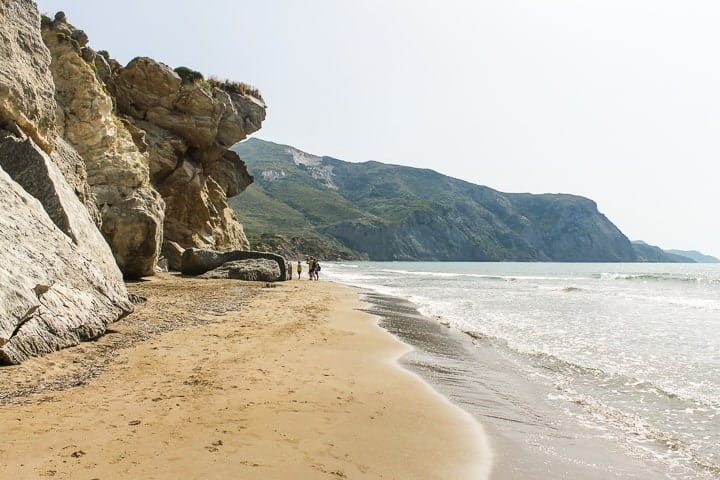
(214, 447)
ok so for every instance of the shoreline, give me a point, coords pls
(531, 440)
(287, 382)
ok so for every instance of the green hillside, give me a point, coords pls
(305, 204)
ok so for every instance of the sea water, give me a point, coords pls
(613, 368)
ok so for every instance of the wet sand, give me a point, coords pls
(225, 379)
(532, 439)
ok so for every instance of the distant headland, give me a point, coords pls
(303, 203)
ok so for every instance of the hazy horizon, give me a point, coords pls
(611, 100)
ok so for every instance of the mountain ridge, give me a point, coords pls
(695, 255)
(380, 211)
(654, 254)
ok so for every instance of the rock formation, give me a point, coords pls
(189, 127)
(155, 147)
(99, 164)
(196, 261)
(132, 210)
(61, 284)
(257, 270)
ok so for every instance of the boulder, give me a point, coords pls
(173, 253)
(197, 261)
(60, 282)
(260, 270)
(133, 228)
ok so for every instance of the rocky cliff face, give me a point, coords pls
(132, 211)
(189, 127)
(155, 147)
(26, 88)
(569, 228)
(59, 282)
(99, 165)
(559, 228)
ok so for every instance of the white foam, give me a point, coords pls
(622, 339)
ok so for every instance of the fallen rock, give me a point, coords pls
(260, 270)
(173, 253)
(197, 261)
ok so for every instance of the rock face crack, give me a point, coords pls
(22, 321)
(39, 290)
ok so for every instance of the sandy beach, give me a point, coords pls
(224, 379)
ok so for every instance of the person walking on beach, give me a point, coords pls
(299, 269)
(317, 270)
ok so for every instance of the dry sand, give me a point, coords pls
(215, 379)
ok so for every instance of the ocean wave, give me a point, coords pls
(597, 376)
(482, 337)
(692, 302)
(658, 277)
(421, 273)
(491, 277)
(620, 382)
(677, 451)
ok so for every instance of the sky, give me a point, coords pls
(614, 100)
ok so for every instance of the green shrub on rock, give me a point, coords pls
(189, 75)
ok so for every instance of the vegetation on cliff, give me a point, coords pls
(188, 75)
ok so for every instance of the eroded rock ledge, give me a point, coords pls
(155, 146)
